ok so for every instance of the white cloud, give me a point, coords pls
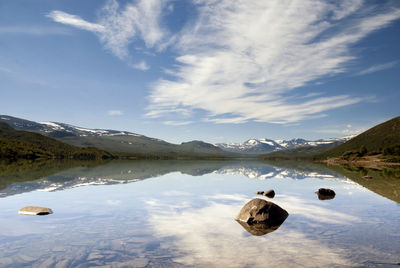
(177, 123)
(115, 112)
(65, 18)
(143, 66)
(343, 131)
(239, 59)
(378, 67)
(118, 27)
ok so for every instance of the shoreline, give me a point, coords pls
(373, 161)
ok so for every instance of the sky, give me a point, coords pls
(211, 70)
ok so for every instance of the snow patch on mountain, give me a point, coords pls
(52, 125)
(80, 131)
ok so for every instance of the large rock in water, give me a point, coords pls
(260, 217)
(32, 210)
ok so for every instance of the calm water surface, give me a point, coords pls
(181, 213)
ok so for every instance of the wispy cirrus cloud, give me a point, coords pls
(378, 67)
(118, 27)
(240, 59)
(73, 20)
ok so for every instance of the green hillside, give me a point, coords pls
(379, 139)
(17, 144)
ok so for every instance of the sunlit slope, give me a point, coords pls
(375, 139)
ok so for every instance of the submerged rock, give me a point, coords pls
(270, 193)
(260, 217)
(260, 192)
(325, 194)
(32, 210)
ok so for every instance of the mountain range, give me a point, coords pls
(380, 139)
(114, 141)
(127, 142)
(263, 146)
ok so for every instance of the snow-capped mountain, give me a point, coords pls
(268, 145)
(124, 141)
(251, 146)
(60, 129)
(112, 140)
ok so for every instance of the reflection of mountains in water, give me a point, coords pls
(287, 170)
(115, 172)
(119, 172)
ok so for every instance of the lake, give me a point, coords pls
(182, 214)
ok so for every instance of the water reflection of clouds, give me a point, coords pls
(314, 210)
(209, 236)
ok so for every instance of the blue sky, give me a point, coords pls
(218, 71)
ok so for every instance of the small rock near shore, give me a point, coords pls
(325, 194)
(270, 193)
(260, 192)
(33, 210)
